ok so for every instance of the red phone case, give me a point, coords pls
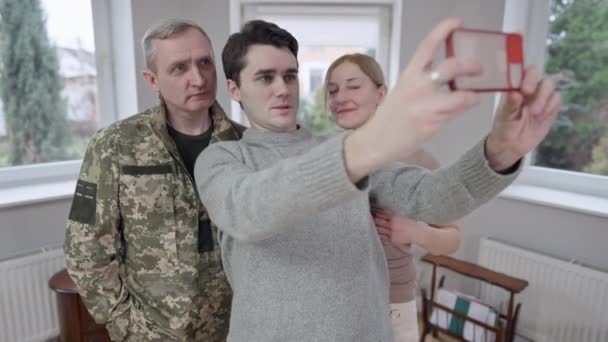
(500, 54)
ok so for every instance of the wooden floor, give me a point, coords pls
(429, 338)
(441, 338)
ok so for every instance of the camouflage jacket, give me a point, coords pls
(132, 236)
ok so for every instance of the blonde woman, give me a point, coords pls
(355, 87)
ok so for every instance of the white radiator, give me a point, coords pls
(28, 308)
(564, 302)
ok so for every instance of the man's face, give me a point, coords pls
(184, 74)
(269, 90)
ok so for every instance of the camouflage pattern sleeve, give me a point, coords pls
(92, 237)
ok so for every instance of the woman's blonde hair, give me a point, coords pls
(367, 64)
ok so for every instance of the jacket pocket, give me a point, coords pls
(119, 327)
(147, 211)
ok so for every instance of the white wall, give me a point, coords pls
(554, 231)
(29, 227)
(419, 18)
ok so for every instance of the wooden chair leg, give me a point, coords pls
(423, 334)
(513, 325)
(425, 316)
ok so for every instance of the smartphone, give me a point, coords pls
(501, 56)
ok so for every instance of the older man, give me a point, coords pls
(139, 243)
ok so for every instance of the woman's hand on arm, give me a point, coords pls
(436, 239)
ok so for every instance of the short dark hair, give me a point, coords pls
(253, 32)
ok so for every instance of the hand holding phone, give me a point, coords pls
(500, 55)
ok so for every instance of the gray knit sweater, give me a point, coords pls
(298, 242)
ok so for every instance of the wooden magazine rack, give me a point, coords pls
(504, 329)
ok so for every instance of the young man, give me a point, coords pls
(139, 243)
(298, 242)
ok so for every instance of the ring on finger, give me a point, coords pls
(436, 78)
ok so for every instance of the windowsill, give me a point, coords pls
(32, 194)
(586, 204)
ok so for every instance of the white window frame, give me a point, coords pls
(394, 45)
(305, 72)
(523, 16)
(44, 173)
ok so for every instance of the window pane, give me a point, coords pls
(578, 58)
(316, 79)
(48, 84)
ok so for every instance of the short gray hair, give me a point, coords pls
(164, 30)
